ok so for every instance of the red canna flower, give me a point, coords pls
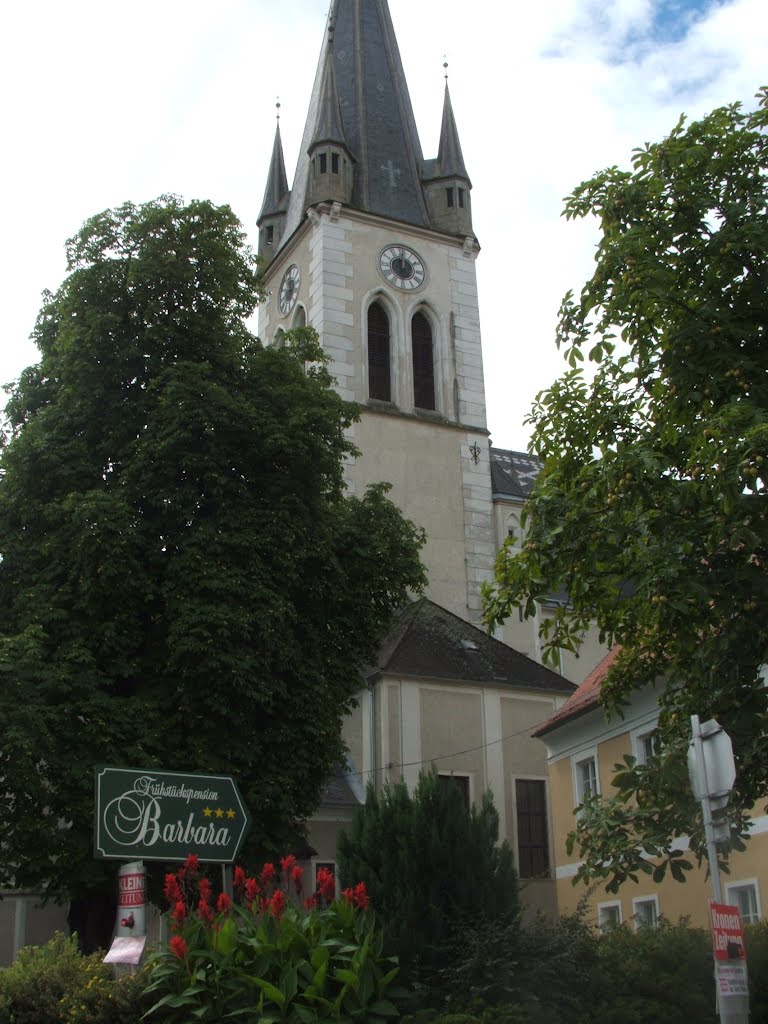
(277, 903)
(172, 889)
(311, 902)
(268, 874)
(224, 903)
(252, 889)
(205, 912)
(360, 896)
(296, 876)
(204, 890)
(192, 864)
(178, 947)
(287, 863)
(326, 883)
(239, 879)
(179, 913)
(349, 895)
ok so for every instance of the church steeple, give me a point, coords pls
(271, 220)
(447, 183)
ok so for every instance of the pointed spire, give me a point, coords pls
(276, 193)
(450, 162)
(330, 126)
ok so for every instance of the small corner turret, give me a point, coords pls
(331, 163)
(271, 222)
(446, 182)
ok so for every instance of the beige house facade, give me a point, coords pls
(582, 747)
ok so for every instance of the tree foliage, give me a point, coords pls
(430, 864)
(651, 507)
(184, 582)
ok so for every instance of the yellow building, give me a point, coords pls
(583, 745)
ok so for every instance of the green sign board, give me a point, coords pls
(159, 815)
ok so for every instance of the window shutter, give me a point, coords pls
(423, 363)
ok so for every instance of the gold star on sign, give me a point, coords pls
(231, 814)
(219, 812)
(207, 812)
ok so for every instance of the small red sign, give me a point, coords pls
(727, 933)
(132, 890)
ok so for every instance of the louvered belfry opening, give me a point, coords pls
(423, 363)
(378, 353)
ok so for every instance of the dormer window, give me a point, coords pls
(449, 196)
(323, 158)
(461, 198)
(334, 163)
(270, 235)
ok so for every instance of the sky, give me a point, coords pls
(106, 102)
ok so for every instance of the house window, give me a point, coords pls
(334, 163)
(461, 782)
(423, 363)
(744, 895)
(645, 743)
(532, 838)
(585, 779)
(378, 353)
(449, 196)
(323, 163)
(609, 915)
(645, 911)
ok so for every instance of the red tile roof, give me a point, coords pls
(584, 698)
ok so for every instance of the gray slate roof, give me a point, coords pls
(513, 474)
(428, 641)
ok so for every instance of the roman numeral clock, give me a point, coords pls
(402, 268)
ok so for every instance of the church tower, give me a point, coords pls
(374, 247)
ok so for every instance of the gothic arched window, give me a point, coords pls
(299, 318)
(423, 363)
(378, 353)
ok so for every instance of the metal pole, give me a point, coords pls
(738, 1014)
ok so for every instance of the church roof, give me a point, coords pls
(513, 474)
(376, 116)
(429, 641)
(329, 127)
(276, 192)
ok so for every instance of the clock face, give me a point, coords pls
(289, 290)
(402, 267)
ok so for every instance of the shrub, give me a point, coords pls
(266, 956)
(56, 984)
(756, 936)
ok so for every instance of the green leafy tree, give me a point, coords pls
(651, 507)
(431, 865)
(184, 582)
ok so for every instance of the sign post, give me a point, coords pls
(712, 773)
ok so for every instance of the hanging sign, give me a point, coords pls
(729, 951)
(159, 815)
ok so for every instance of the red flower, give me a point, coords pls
(224, 903)
(287, 864)
(172, 889)
(326, 883)
(192, 864)
(311, 902)
(178, 947)
(349, 895)
(296, 876)
(277, 903)
(204, 890)
(252, 889)
(361, 896)
(205, 911)
(179, 913)
(268, 874)
(239, 878)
